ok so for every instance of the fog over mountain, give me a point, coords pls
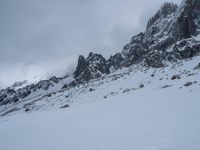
(41, 38)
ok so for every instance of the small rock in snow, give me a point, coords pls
(176, 77)
(197, 67)
(188, 83)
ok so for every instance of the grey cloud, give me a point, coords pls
(41, 33)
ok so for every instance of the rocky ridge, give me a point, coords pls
(171, 35)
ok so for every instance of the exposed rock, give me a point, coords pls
(191, 74)
(114, 62)
(126, 90)
(54, 79)
(66, 86)
(188, 83)
(22, 93)
(166, 86)
(166, 9)
(45, 84)
(152, 75)
(135, 51)
(94, 66)
(141, 86)
(91, 89)
(187, 20)
(175, 77)
(15, 99)
(48, 95)
(27, 109)
(81, 67)
(65, 106)
(10, 95)
(154, 60)
(197, 67)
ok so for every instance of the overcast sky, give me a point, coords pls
(40, 38)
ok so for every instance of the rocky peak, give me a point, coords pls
(95, 58)
(81, 66)
(91, 67)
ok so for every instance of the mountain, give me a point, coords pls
(145, 97)
(171, 35)
(94, 66)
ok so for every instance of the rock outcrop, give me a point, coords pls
(10, 95)
(94, 66)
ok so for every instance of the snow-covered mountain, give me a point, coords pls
(145, 97)
(182, 75)
(172, 34)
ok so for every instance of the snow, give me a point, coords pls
(197, 37)
(154, 120)
(116, 115)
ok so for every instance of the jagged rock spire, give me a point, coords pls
(81, 66)
(93, 66)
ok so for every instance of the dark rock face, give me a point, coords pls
(135, 51)
(115, 61)
(188, 20)
(96, 63)
(94, 66)
(154, 60)
(45, 84)
(3, 97)
(81, 67)
(15, 99)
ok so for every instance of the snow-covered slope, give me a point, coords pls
(136, 108)
(150, 121)
(179, 76)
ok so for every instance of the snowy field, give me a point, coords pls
(144, 120)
